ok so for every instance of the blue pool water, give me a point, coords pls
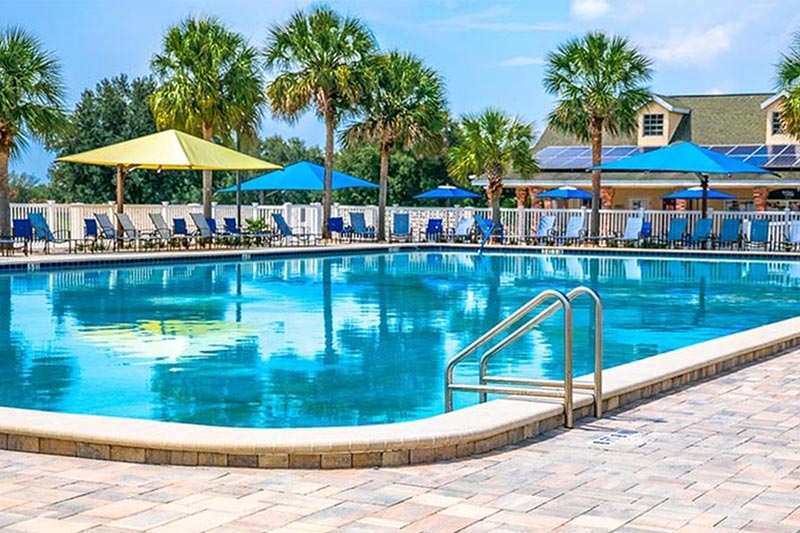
(358, 339)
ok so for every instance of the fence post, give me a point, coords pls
(51, 213)
(164, 209)
(111, 206)
(316, 227)
(287, 213)
(214, 210)
(254, 213)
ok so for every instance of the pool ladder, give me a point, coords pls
(509, 385)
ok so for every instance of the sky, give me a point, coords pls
(491, 53)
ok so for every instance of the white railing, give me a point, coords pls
(518, 223)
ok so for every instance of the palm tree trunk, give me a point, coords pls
(5, 208)
(383, 194)
(326, 192)
(495, 192)
(597, 158)
(208, 177)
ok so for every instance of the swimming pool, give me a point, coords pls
(352, 340)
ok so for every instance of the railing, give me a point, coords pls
(518, 223)
(510, 385)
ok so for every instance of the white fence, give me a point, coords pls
(518, 223)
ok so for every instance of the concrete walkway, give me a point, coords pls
(722, 455)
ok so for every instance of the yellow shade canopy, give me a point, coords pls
(169, 150)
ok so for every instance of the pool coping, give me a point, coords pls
(51, 262)
(468, 431)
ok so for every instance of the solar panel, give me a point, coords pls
(580, 157)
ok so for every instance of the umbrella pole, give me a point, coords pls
(120, 188)
(704, 201)
(238, 191)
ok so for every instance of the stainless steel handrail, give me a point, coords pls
(501, 326)
(563, 301)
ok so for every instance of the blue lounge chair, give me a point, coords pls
(41, 232)
(212, 225)
(632, 233)
(21, 236)
(336, 225)
(731, 233)
(544, 230)
(702, 232)
(434, 231)
(90, 229)
(676, 234)
(230, 227)
(360, 229)
(464, 230)
(286, 234)
(793, 236)
(759, 234)
(574, 231)
(488, 228)
(401, 229)
(179, 227)
(163, 233)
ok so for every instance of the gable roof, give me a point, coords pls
(716, 119)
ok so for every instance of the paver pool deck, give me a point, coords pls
(721, 455)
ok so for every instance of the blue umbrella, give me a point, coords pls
(696, 193)
(565, 193)
(302, 176)
(684, 157)
(446, 191)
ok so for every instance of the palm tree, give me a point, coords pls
(31, 102)
(320, 57)
(210, 84)
(789, 82)
(405, 108)
(600, 85)
(492, 144)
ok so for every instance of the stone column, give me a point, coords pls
(607, 197)
(522, 196)
(760, 198)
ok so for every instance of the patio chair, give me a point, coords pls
(544, 231)
(401, 229)
(336, 225)
(179, 227)
(730, 235)
(230, 228)
(464, 230)
(676, 234)
(21, 237)
(702, 233)
(40, 231)
(203, 233)
(360, 229)
(434, 231)
(286, 234)
(574, 231)
(107, 229)
(793, 237)
(759, 234)
(632, 234)
(488, 229)
(163, 232)
(130, 233)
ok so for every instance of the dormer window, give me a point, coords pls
(653, 125)
(776, 124)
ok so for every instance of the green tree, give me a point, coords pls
(405, 108)
(25, 188)
(320, 57)
(210, 84)
(492, 144)
(31, 102)
(115, 110)
(600, 83)
(788, 78)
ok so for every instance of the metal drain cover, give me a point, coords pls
(622, 437)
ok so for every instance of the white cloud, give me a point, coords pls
(696, 47)
(521, 61)
(589, 9)
(495, 19)
(715, 90)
